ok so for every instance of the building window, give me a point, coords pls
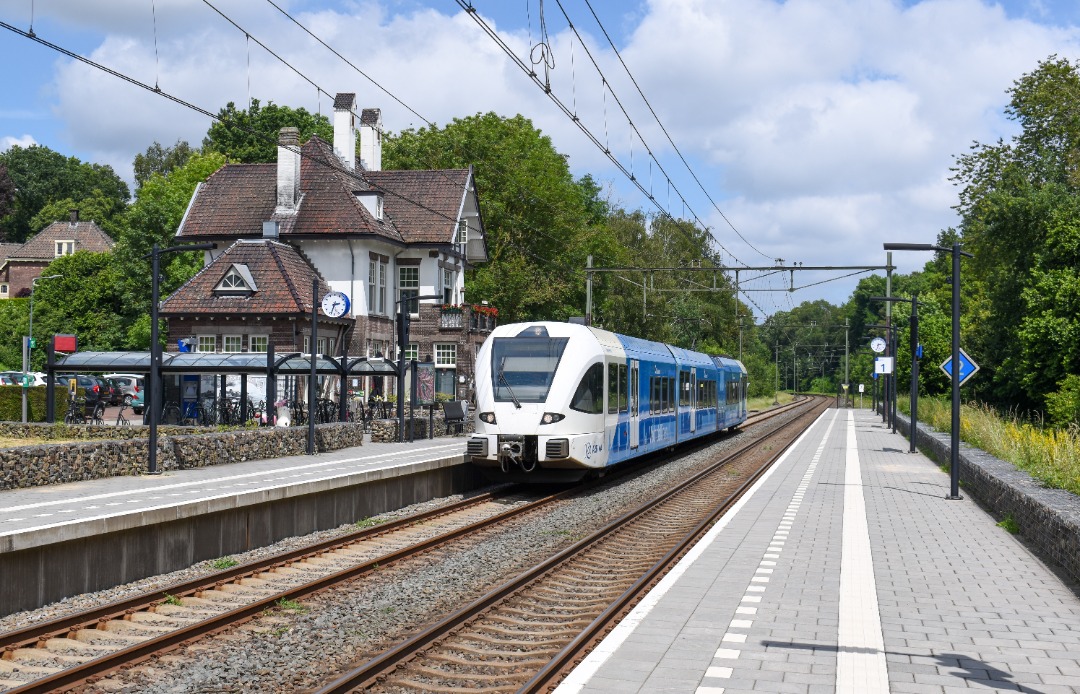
(412, 351)
(231, 343)
(382, 287)
(463, 232)
(409, 284)
(259, 343)
(206, 343)
(376, 287)
(446, 356)
(448, 286)
(64, 248)
(3, 290)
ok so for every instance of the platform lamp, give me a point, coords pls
(913, 339)
(154, 404)
(954, 463)
(28, 342)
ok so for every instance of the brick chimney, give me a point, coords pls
(371, 139)
(345, 129)
(288, 170)
(74, 216)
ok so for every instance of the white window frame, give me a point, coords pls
(448, 286)
(372, 280)
(412, 286)
(446, 356)
(383, 269)
(206, 343)
(259, 344)
(232, 343)
(412, 351)
(4, 289)
(64, 247)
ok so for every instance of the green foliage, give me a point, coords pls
(97, 208)
(223, 563)
(1009, 524)
(7, 192)
(11, 404)
(1063, 405)
(172, 599)
(41, 176)
(250, 135)
(160, 160)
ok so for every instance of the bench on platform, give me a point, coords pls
(455, 412)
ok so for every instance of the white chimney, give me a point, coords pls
(345, 129)
(288, 170)
(371, 139)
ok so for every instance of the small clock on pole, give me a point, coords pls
(335, 304)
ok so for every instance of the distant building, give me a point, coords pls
(373, 235)
(20, 264)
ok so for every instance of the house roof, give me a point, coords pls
(281, 274)
(87, 236)
(7, 249)
(427, 203)
(419, 206)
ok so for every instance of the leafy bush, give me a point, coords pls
(11, 404)
(1063, 405)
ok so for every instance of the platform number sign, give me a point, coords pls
(968, 367)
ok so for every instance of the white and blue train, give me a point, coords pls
(558, 401)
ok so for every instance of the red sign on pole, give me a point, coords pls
(68, 344)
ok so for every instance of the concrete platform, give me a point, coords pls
(847, 570)
(62, 540)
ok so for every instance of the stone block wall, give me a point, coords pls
(1049, 519)
(386, 430)
(126, 450)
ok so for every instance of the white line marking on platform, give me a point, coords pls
(860, 656)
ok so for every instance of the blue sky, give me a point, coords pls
(814, 130)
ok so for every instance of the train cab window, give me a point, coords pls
(589, 396)
(523, 367)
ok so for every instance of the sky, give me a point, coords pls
(810, 131)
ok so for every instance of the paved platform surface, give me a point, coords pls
(847, 570)
(41, 515)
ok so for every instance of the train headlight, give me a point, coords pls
(487, 417)
(552, 417)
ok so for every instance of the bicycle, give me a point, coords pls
(76, 412)
(170, 414)
(121, 420)
(98, 417)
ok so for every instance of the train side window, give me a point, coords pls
(654, 395)
(589, 396)
(613, 388)
(671, 394)
(624, 400)
(684, 388)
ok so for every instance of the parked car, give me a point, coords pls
(15, 377)
(130, 384)
(6, 380)
(137, 402)
(112, 390)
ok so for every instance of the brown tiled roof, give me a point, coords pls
(423, 204)
(87, 236)
(369, 116)
(419, 206)
(281, 274)
(7, 249)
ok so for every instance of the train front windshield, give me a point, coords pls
(522, 368)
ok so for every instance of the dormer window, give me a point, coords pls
(236, 282)
(65, 248)
(372, 200)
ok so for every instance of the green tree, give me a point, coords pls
(42, 176)
(97, 209)
(7, 192)
(153, 218)
(1018, 204)
(540, 223)
(250, 135)
(160, 160)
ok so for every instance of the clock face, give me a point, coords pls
(877, 344)
(335, 304)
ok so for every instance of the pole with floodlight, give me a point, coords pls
(28, 342)
(954, 463)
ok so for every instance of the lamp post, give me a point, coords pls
(154, 403)
(913, 340)
(28, 341)
(954, 462)
(403, 339)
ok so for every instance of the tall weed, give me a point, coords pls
(1050, 455)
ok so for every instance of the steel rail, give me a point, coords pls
(378, 668)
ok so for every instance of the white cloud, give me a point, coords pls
(9, 141)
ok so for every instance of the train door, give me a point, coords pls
(693, 400)
(634, 404)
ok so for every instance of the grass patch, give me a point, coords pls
(1009, 524)
(764, 402)
(172, 600)
(291, 605)
(1050, 455)
(8, 442)
(223, 563)
(367, 523)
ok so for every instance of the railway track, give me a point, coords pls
(70, 651)
(528, 633)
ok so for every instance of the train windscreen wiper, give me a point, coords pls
(502, 379)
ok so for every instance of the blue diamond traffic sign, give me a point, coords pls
(968, 367)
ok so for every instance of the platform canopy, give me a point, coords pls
(217, 362)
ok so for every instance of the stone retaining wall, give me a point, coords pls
(126, 452)
(1049, 519)
(386, 430)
